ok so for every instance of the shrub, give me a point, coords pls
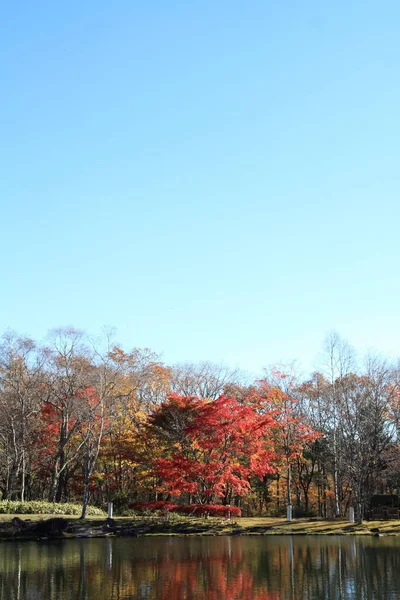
(212, 510)
(201, 510)
(38, 507)
(127, 512)
(161, 505)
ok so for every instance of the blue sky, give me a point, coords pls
(218, 180)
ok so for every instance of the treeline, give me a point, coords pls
(88, 421)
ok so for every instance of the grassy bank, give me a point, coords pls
(25, 527)
(316, 527)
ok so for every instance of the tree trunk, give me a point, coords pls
(85, 499)
(360, 512)
(289, 484)
(278, 500)
(23, 468)
(60, 487)
(306, 500)
(319, 489)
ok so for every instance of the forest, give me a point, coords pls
(83, 420)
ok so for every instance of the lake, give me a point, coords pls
(203, 568)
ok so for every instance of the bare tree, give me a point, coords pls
(69, 371)
(340, 360)
(366, 431)
(315, 402)
(104, 387)
(204, 379)
(20, 373)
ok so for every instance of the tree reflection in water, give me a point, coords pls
(229, 568)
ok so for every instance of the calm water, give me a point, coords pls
(227, 568)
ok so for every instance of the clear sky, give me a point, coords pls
(218, 179)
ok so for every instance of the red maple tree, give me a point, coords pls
(214, 447)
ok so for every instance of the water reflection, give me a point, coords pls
(229, 568)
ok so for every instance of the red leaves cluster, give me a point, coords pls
(159, 505)
(212, 510)
(214, 447)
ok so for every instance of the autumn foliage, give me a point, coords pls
(79, 422)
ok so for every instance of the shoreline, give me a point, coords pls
(49, 527)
